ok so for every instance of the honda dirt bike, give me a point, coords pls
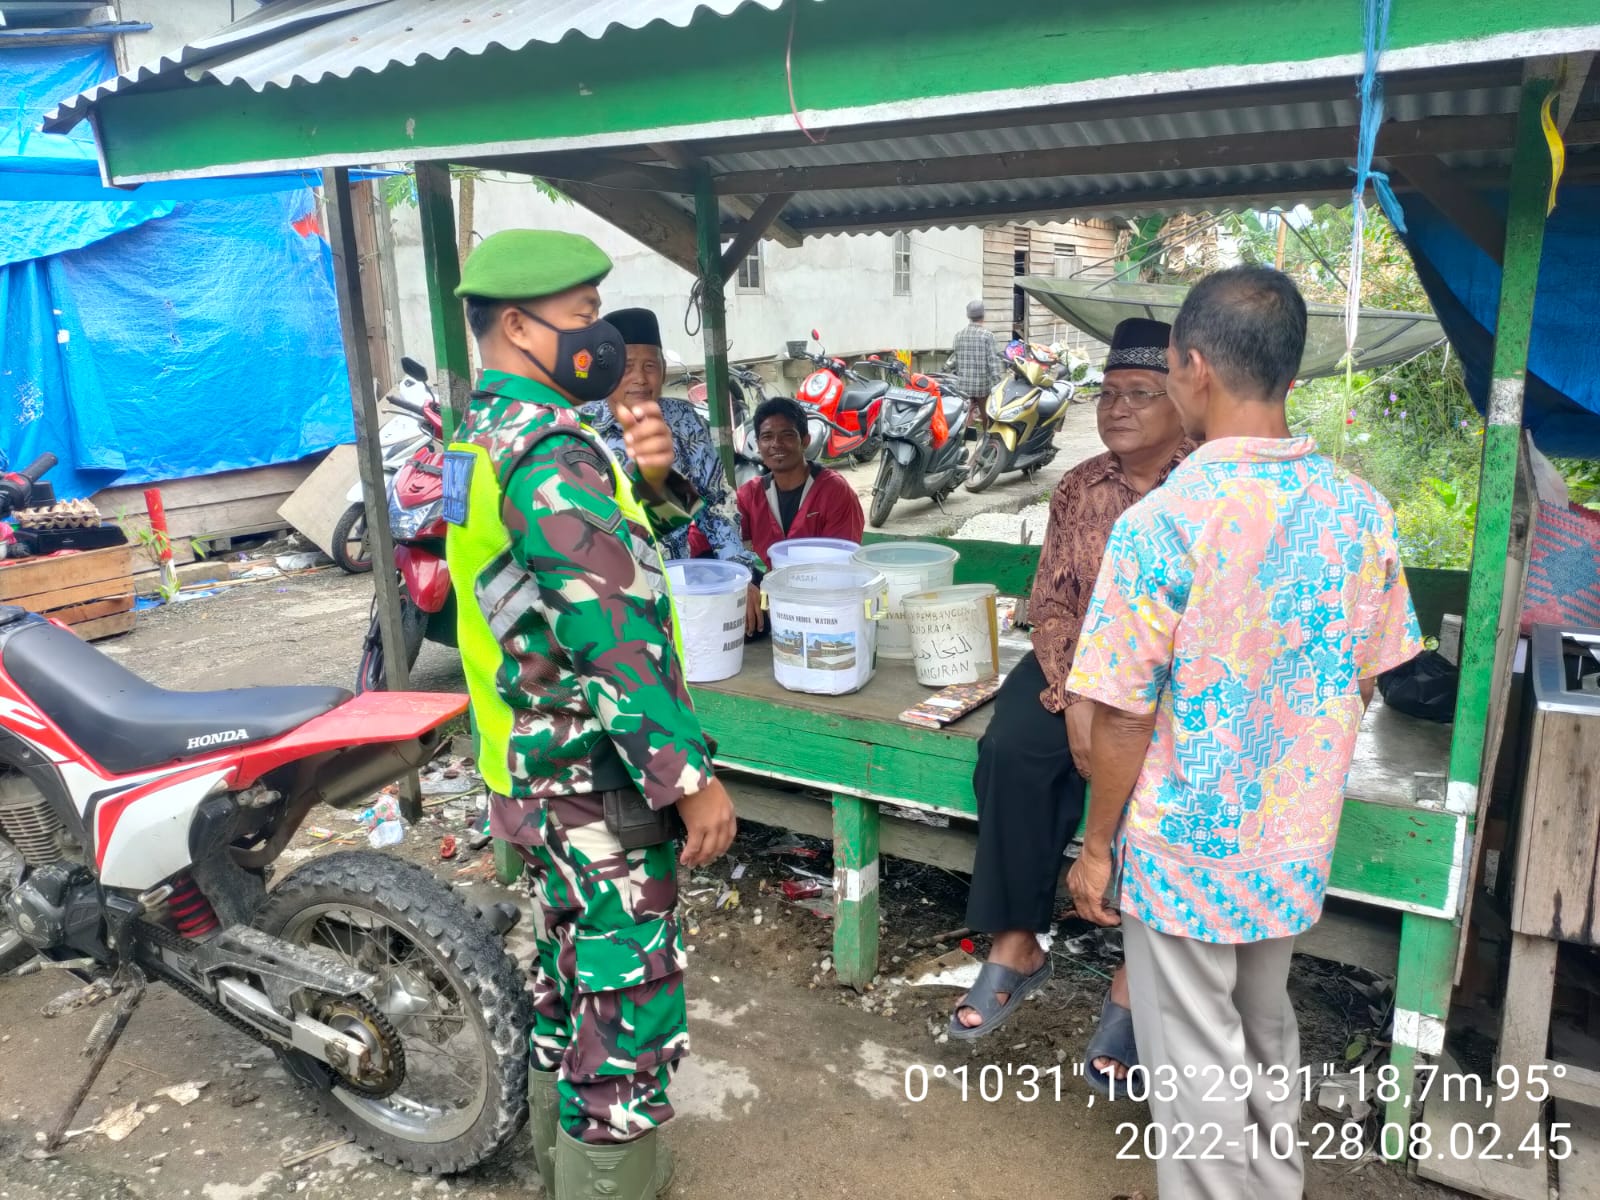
(137, 829)
(924, 444)
(416, 522)
(400, 438)
(850, 407)
(1023, 413)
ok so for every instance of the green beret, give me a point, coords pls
(524, 264)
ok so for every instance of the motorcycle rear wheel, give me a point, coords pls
(448, 988)
(352, 550)
(891, 482)
(371, 675)
(986, 464)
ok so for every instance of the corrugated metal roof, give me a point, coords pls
(338, 38)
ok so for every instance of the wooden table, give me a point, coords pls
(1398, 847)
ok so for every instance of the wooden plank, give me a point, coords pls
(1574, 1084)
(1397, 855)
(659, 224)
(752, 230)
(1368, 938)
(315, 508)
(1578, 1177)
(203, 490)
(1524, 1178)
(104, 627)
(855, 889)
(90, 610)
(1558, 847)
(40, 577)
(1525, 1023)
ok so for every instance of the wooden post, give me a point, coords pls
(442, 262)
(855, 890)
(1423, 977)
(714, 317)
(369, 454)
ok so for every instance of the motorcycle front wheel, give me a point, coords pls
(351, 550)
(449, 1015)
(371, 676)
(891, 482)
(986, 464)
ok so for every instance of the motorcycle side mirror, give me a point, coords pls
(815, 336)
(874, 358)
(414, 369)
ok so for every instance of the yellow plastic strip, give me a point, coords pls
(1558, 150)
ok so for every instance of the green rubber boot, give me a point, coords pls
(636, 1170)
(542, 1105)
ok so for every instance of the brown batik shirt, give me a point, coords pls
(1086, 504)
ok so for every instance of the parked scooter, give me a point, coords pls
(400, 438)
(850, 407)
(137, 830)
(924, 445)
(747, 392)
(1023, 413)
(416, 522)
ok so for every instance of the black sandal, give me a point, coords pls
(983, 997)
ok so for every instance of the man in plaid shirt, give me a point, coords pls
(975, 355)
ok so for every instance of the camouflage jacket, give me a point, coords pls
(599, 696)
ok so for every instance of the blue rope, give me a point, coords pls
(1375, 34)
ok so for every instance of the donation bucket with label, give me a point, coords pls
(955, 634)
(710, 598)
(794, 551)
(824, 620)
(909, 567)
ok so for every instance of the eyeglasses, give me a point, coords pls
(1137, 401)
(786, 438)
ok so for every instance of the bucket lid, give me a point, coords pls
(965, 593)
(906, 554)
(824, 581)
(801, 545)
(706, 576)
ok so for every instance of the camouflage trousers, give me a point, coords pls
(609, 1011)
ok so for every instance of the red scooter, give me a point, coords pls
(137, 829)
(849, 405)
(416, 522)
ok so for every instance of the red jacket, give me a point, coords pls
(828, 508)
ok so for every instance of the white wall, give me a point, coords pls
(842, 286)
(177, 23)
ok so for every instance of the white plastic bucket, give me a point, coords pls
(955, 634)
(824, 619)
(710, 597)
(794, 551)
(909, 568)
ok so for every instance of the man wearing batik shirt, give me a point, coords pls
(1242, 615)
(694, 455)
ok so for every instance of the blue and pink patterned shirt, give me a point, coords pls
(1242, 602)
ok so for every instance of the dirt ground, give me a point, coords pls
(795, 1087)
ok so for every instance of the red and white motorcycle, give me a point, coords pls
(137, 829)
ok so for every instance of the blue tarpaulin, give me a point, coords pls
(177, 330)
(1561, 405)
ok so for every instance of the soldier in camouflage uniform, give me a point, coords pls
(579, 702)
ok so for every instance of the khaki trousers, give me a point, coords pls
(1217, 1008)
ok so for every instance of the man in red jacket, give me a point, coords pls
(798, 499)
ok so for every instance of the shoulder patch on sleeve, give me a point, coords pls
(457, 481)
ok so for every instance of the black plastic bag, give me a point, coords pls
(1425, 687)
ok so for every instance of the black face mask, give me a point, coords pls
(589, 361)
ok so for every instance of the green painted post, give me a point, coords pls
(713, 315)
(442, 264)
(1428, 944)
(1421, 1007)
(507, 863)
(855, 890)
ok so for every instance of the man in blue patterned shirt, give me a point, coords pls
(695, 455)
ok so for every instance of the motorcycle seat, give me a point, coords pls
(127, 724)
(1050, 403)
(955, 408)
(858, 395)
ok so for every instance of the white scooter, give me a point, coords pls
(399, 439)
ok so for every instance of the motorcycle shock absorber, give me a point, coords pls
(190, 911)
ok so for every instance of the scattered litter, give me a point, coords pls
(260, 573)
(728, 898)
(200, 594)
(1342, 1094)
(445, 785)
(447, 847)
(479, 871)
(386, 833)
(386, 809)
(115, 1125)
(937, 820)
(796, 889)
(184, 1094)
(738, 871)
(294, 1160)
(957, 968)
(792, 845)
(298, 562)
